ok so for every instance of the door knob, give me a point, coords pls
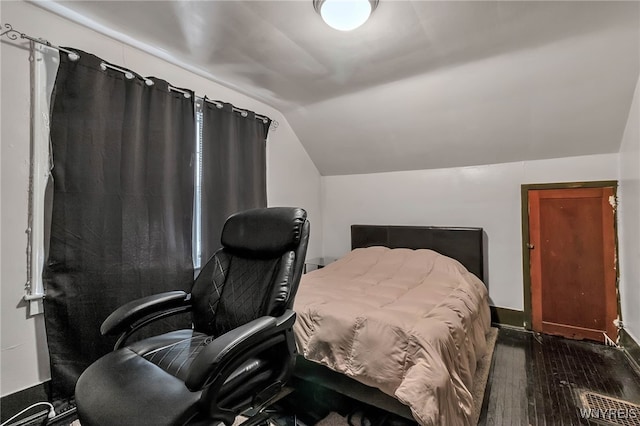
(530, 246)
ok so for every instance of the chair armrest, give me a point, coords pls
(212, 360)
(123, 318)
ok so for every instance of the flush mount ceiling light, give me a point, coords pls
(345, 15)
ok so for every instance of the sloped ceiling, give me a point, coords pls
(423, 84)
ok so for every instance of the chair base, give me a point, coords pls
(259, 415)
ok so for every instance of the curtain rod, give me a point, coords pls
(12, 34)
(243, 112)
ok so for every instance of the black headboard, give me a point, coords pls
(463, 244)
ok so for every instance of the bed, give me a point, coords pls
(399, 322)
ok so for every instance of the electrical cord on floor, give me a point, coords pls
(52, 412)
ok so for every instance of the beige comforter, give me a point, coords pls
(409, 322)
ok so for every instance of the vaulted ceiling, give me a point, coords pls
(423, 84)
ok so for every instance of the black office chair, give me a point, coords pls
(241, 350)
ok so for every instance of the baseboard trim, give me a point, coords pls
(12, 404)
(506, 316)
(38, 419)
(631, 349)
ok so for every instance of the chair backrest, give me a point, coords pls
(255, 273)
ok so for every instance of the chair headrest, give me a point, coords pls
(267, 232)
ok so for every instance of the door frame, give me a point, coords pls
(526, 261)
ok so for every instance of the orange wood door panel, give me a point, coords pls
(572, 262)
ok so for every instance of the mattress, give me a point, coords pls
(411, 323)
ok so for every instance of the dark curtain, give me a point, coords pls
(122, 207)
(234, 168)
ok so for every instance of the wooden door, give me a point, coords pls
(572, 262)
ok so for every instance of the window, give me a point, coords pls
(197, 209)
(44, 67)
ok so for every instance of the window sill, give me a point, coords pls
(35, 302)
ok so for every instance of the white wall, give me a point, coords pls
(629, 220)
(481, 196)
(292, 178)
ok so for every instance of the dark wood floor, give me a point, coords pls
(535, 379)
